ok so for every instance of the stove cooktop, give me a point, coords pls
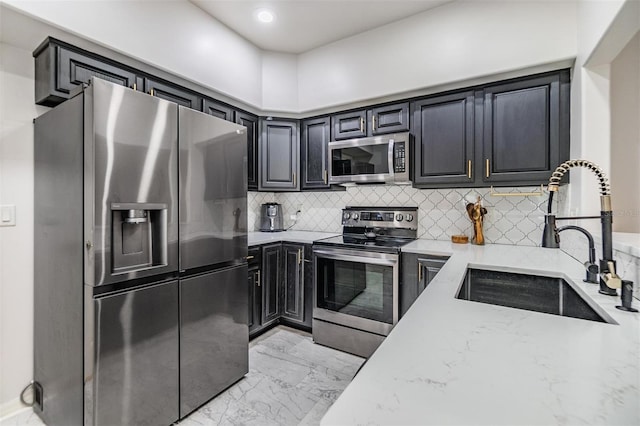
(390, 244)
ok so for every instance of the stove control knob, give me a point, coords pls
(409, 217)
(355, 216)
(346, 216)
(398, 217)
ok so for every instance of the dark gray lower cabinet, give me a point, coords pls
(254, 286)
(418, 271)
(280, 286)
(213, 335)
(271, 283)
(136, 373)
(293, 307)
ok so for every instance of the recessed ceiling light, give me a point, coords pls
(265, 15)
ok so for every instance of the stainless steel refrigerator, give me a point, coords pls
(140, 258)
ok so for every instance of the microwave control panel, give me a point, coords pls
(399, 157)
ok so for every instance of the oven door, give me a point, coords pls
(361, 160)
(356, 288)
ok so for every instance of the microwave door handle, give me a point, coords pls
(392, 167)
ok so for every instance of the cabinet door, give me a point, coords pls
(172, 93)
(251, 123)
(293, 282)
(271, 283)
(443, 127)
(279, 169)
(313, 153)
(255, 301)
(349, 125)
(408, 287)
(428, 268)
(137, 356)
(58, 70)
(388, 119)
(522, 130)
(217, 109)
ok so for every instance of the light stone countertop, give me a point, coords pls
(451, 361)
(304, 237)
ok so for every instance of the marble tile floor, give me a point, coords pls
(291, 381)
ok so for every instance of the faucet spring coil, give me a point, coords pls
(559, 172)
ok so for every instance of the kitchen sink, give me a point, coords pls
(538, 293)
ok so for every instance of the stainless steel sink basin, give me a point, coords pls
(538, 293)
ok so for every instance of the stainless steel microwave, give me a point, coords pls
(383, 159)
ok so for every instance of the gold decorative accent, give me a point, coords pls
(249, 257)
(486, 168)
(135, 86)
(361, 124)
(294, 180)
(258, 279)
(469, 169)
(373, 125)
(152, 92)
(299, 256)
(476, 213)
(517, 194)
(325, 176)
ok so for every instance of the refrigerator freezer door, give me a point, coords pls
(136, 367)
(213, 190)
(131, 169)
(214, 335)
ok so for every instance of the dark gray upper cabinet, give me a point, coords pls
(217, 109)
(526, 129)
(250, 121)
(278, 147)
(372, 122)
(388, 119)
(347, 125)
(293, 294)
(313, 153)
(443, 128)
(59, 68)
(172, 93)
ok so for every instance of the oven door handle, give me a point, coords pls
(385, 259)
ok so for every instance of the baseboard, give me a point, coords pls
(12, 408)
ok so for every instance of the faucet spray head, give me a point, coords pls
(550, 236)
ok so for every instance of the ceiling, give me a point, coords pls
(301, 25)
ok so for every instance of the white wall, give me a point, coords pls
(458, 41)
(279, 82)
(625, 137)
(17, 111)
(175, 36)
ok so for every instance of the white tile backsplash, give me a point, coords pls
(510, 220)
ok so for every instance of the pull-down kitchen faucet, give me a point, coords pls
(609, 279)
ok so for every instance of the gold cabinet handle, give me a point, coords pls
(294, 180)
(469, 169)
(361, 124)
(299, 256)
(152, 92)
(258, 278)
(250, 257)
(419, 273)
(135, 86)
(373, 124)
(325, 177)
(486, 167)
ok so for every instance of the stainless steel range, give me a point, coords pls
(356, 301)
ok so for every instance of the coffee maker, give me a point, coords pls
(271, 217)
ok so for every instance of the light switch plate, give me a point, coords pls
(8, 215)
